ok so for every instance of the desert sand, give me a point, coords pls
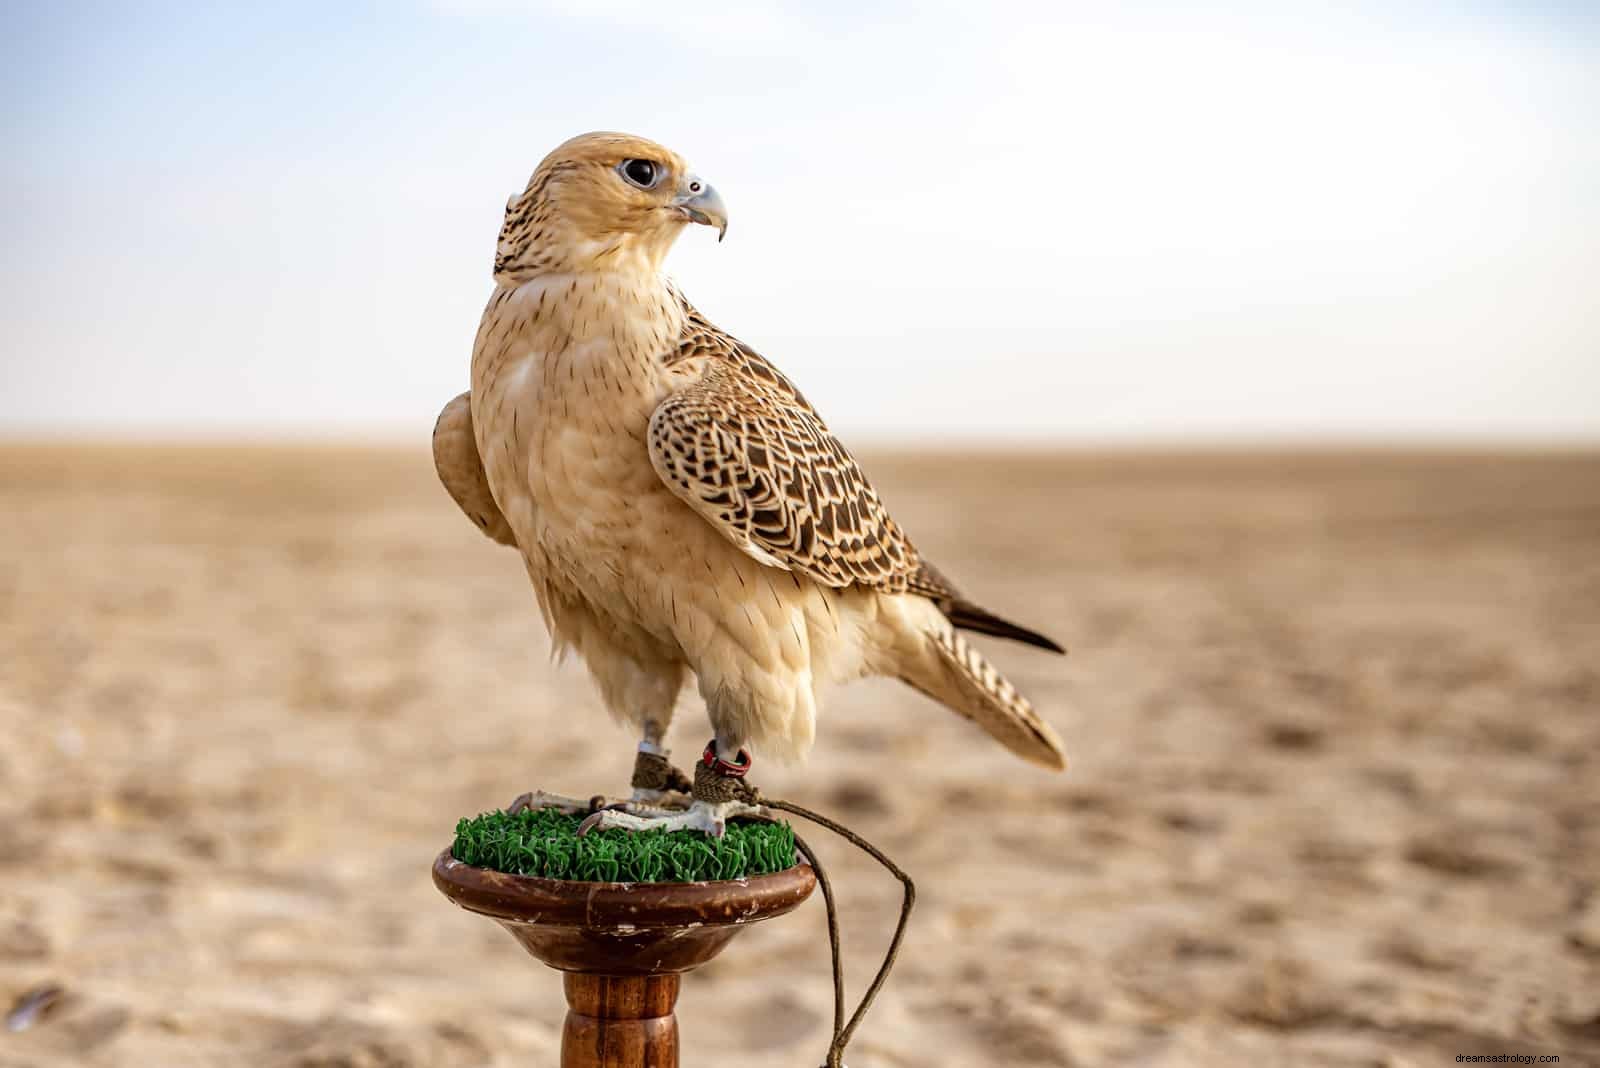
(1334, 795)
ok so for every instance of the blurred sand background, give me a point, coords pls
(1335, 793)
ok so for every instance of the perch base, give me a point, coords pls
(623, 946)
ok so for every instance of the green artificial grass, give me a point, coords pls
(546, 843)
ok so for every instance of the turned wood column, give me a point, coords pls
(620, 1021)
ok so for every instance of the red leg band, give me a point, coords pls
(733, 771)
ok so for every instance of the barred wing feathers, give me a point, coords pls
(743, 448)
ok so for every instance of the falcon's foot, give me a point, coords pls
(719, 791)
(539, 799)
(644, 800)
(656, 783)
(710, 817)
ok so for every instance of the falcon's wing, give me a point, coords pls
(455, 457)
(741, 446)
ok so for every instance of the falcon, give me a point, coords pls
(680, 507)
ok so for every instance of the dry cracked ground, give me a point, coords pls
(1334, 723)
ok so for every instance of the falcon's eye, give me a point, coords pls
(643, 173)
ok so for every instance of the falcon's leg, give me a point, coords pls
(639, 684)
(720, 793)
(655, 780)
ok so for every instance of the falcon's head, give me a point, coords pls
(603, 201)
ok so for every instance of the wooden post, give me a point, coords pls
(620, 1021)
(623, 946)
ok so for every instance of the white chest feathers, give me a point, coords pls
(567, 371)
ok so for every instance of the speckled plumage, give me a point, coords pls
(741, 446)
(679, 506)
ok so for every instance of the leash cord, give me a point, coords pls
(843, 1032)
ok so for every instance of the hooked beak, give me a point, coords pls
(700, 203)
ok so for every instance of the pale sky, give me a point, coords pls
(1074, 222)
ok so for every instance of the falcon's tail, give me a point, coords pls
(955, 674)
